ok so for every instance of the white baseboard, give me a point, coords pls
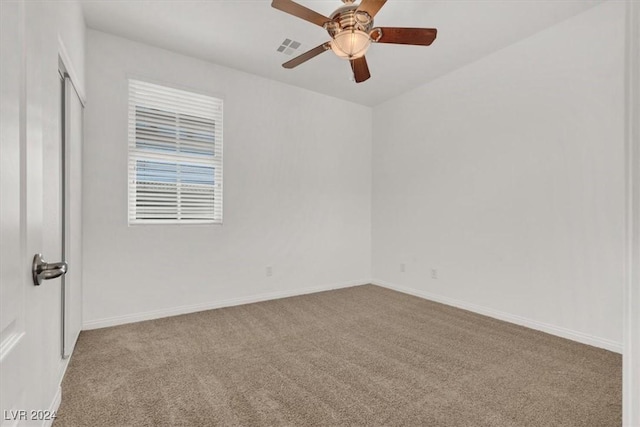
(57, 399)
(507, 317)
(174, 311)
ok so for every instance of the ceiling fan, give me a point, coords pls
(351, 30)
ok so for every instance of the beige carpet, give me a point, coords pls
(357, 356)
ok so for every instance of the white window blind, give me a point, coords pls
(175, 156)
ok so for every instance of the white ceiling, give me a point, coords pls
(244, 34)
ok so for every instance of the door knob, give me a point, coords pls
(42, 270)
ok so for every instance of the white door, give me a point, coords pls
(33, 123)
(13, 277)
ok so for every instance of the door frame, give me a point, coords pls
(631, 340)
(64, 61)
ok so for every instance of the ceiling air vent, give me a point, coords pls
(288, 46)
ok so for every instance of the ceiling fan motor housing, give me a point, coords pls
(348, 18)
(349, 29)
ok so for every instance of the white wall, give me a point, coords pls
(297, 193)
(507, 176)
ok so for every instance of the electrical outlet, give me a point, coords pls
(269, 271)
(403, 267)
(434, 273)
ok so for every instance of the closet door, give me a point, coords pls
(72, 241)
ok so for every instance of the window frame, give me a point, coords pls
(135, 154)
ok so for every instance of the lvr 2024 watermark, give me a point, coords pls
(32, 415)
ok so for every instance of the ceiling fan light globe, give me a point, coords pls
(350, 44)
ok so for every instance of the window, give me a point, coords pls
(175, 156)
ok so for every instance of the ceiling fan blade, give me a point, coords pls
(414, 36)
(307, 55)
(360, 69)
(300, 11)
(371, 6)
